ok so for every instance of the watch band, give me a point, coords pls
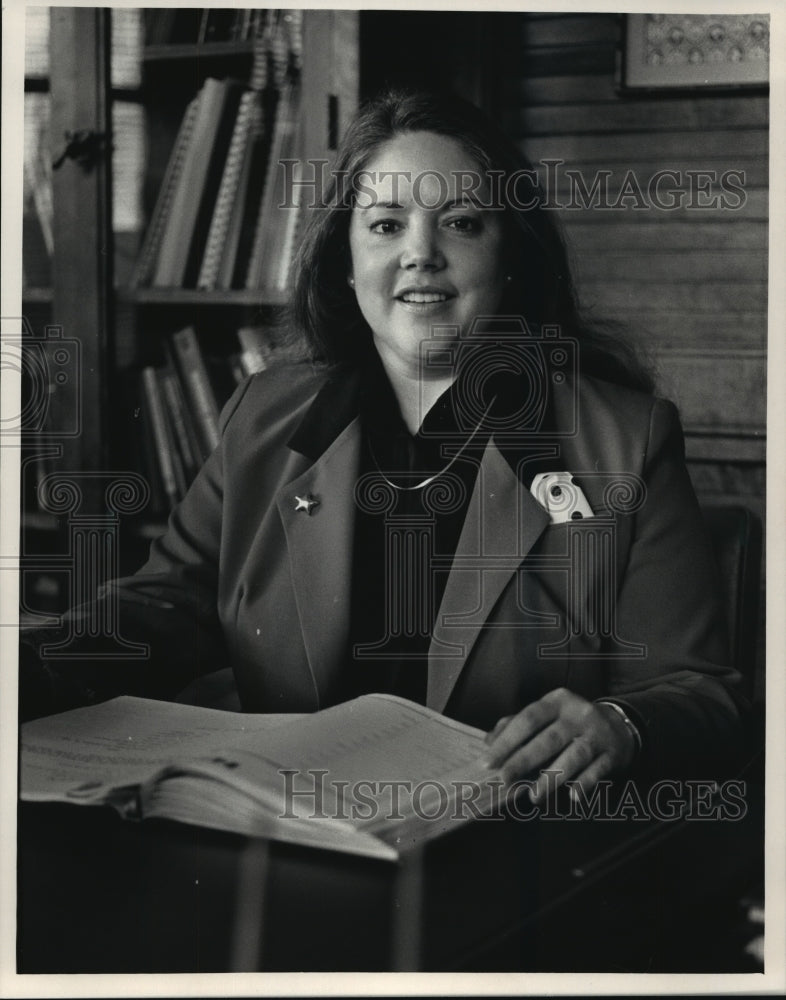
(632, 727)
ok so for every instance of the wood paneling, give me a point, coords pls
(719, 392)
(689, 284)
(661, 149)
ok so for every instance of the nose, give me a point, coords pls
(421, 249)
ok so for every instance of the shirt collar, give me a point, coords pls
(334, 407)
(364, 389)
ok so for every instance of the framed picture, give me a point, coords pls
(695, 50)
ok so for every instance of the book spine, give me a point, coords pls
(277, 213)
(290, 228)
(155, 408)
(242, 206)
(199, 452)
(146, 260)
(181, 479)
(227, 193)
(189, 195)
(199, 391)
(176, 410)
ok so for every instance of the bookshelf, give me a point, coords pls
(125, 322)
(274, 68)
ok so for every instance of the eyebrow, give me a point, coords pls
(465, 202)
(393, 206)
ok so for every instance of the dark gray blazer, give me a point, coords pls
(622, 605)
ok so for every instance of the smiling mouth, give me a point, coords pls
(423, 298)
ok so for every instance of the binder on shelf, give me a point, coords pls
(277, 218)
(185, 229)
(239, 228)
(230, 195)
(146, 261)
(250, 177)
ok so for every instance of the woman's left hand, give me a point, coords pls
(562, 732)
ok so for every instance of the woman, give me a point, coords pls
(469, 500)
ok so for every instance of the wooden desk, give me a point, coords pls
(97, 894)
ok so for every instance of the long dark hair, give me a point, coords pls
(324, 309)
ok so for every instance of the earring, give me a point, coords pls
(351, 281)
(508, 278)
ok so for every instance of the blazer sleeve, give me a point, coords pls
(683, 693)
(169, 606)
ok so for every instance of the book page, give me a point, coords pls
(378, 763)
(375, 767)
(82, 755)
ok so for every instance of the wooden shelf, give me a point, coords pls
(200, 297)
(37, 296)
(39, 520)
(197, 50)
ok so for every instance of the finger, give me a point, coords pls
(590, 776)
(574, 760)
(540, 751)
(519, 729)
(493, 733)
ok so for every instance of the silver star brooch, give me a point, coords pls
(306, 503)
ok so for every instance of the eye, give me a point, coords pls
(385, 226)
(464, 224)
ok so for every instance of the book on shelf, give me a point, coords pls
(273, 244)
(181, 422)
(151, 245)
(198, 389)
(159, 25)
(188, 215)
(241, 183)
(231, 192)
(219, 24)
(257, 347)
(137, 441)
(219, 221)
(199, 26)
(180, 401)
(374, 776)
(167, 458)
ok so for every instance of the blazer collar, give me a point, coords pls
(320, 546)
(502, 523)
(333, 408)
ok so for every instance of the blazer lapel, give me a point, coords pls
(320, 550)
(502, 524)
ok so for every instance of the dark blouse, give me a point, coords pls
(397, 583)
(408, 526)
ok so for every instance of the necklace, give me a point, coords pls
(430, 479)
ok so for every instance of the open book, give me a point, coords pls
(372, 776)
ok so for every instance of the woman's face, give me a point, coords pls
(424, 253)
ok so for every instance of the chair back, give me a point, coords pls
(735, 532)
